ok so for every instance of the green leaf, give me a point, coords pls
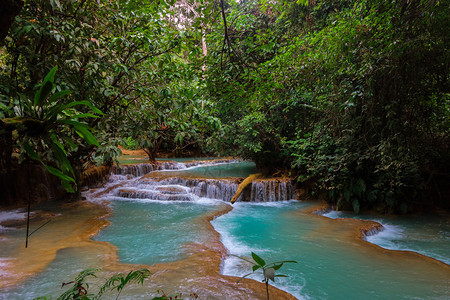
(85, 103)
(42, 94)
(46, 87)
(69, 142)
(258, 260)
(67, 186)
(60, 154)
(59, 174)
(53, 113)
(30, 152)
(256, 267)
(83, 131)
(276, 267)
(5, 108)
(51, 75)
(81, 116)
(58, 95)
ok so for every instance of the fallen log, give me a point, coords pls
(243, 185)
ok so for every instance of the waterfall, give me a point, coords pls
(164, 187)
(137, 170)
(271, 190)
(169, 194)
(142, 169)
(211, 188)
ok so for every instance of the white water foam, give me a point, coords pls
(242, 205)
(237, 262)
(11, 215)
(394, 238)
(333, 214)
(3, 266)
(388, 237)
(138, 170)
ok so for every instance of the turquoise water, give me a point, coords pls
(331, 265)
(328, 266)
(185, 159)
(155, 231)
(66, 266)
(425, 234)
(238, 169)
(136, 159)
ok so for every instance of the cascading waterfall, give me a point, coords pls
(186, 187)
(223, 189)
(135, 170)
(142, 169)
(138, 170)
(169, 193)
(271, 190)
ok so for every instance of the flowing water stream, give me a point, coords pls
(159, 217)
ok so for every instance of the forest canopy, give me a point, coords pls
(350, 98)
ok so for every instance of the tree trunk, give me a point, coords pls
(5, 148)
(9, 10)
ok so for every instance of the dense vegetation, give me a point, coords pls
(349, 97)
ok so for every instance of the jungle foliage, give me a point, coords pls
(353, 96)
(350, 97)
(124, 61)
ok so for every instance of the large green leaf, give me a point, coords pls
(59, 174)
(83, 131)
(60, 154)
(55, 111)
(258, 260)
(43, 93)
(46, 87)
(82, 116)
(30, 151)
(85, 103)
(256, 267)
(4, 108)
(58, 95)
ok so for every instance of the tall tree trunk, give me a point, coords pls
(9, 10)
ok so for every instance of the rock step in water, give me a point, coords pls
(159, 193)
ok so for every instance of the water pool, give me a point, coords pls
(333, 261)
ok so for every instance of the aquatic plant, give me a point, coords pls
(268, 269)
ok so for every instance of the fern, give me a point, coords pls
(118, 281)
(79, 290)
